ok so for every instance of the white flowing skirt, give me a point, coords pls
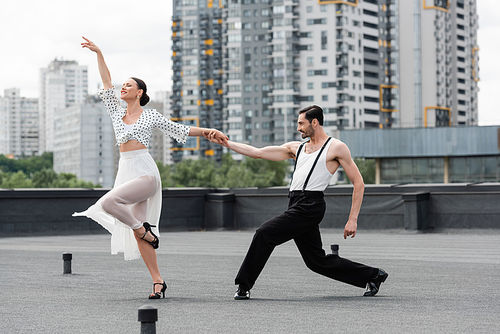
(132, 164)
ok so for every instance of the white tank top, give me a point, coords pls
(320, 177)
(129, 127)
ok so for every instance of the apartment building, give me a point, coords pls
(438, 60)
(4, 126)
(197, 93)
(84, 142)
(63, 84)
(19, 129)
(162, 143)
(368, 63)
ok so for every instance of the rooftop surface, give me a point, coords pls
(444, 282)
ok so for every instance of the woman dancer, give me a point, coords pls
(131, 210)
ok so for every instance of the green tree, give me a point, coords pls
(194, 173)
(27, 165)
(228, 174)
(166, 173)
(262, 167)
(66, 180)
(16, 180)
(367, 169)
(44, 178)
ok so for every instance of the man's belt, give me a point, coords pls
(306, 193)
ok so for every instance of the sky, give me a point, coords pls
(134, 37)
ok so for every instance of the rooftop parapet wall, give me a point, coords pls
(410, 207)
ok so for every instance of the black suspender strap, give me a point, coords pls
(314, 164)
(296, 159)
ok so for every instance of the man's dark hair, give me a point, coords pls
(313, 112)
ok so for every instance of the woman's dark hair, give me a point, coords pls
(313, 112)
(142, 85)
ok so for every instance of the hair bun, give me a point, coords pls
(144, 99)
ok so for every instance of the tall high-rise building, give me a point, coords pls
(63, 84)
(160, 140)
(14, 121)
(197, 73)
(29, 126)
(437, 56)
(84, 142)
(19, 129)
(4, 126)
(368, 63)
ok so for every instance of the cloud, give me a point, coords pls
(134, 37)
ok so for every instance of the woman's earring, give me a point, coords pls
(138, 96)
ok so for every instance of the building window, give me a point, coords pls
(315, 21)
(317, 72)
(324, 40)
(324, 97)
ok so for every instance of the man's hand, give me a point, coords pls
(350, 229)
(216, 137)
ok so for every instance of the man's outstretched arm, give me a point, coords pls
(273, 153)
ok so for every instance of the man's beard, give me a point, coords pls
(307, 134)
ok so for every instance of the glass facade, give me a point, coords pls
(412, 170)
(475, 169)
(431, 170)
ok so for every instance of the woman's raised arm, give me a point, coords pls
(103, 68)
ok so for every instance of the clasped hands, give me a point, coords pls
(216, 137)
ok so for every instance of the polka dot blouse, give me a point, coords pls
(142, 130)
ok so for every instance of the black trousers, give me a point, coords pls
(300, 223)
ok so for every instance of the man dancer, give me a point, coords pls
(315, 163)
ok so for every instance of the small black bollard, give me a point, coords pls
(148, 315)
(335, 249)
(67, 263)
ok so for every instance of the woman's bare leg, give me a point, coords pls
(148, 253)
(135, 192)
(116, 201)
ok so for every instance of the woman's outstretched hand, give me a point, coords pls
(103, 68)
(90, 45)
(216, 137)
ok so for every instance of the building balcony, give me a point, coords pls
(342, 63)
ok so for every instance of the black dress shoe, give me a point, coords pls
(242, 293)
(373, 286)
